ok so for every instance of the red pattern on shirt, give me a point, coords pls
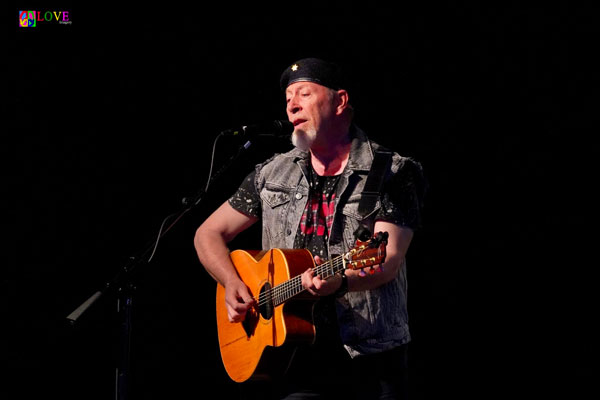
(321, 215)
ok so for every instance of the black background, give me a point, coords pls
(109, 122)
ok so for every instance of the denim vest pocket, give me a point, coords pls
(351, 208)
(275, 197)
(352, 219)
(276, 200)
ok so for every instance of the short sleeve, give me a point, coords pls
(403, 194)
(246, 199)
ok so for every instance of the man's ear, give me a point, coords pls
(343, 101)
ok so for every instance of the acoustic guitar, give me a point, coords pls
(282, 316)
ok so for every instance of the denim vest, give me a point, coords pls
(370, 321)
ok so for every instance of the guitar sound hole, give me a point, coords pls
(265, 301)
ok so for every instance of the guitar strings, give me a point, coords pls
(289, 288)
(286, 290)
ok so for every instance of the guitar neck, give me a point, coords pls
(288, 289)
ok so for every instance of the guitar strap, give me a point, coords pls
(374, 183)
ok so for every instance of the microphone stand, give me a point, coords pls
(121, 283)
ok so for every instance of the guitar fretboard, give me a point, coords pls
(283, 292)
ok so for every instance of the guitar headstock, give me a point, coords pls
(368, 253)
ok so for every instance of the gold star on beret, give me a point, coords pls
(312, 70)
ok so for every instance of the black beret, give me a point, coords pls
(313, 70)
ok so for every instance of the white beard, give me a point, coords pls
(304, 139)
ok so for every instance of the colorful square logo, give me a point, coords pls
(27, 19)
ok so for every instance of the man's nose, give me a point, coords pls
(293, 106)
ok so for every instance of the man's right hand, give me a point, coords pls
(238, 300)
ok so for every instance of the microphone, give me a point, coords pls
(272, 128)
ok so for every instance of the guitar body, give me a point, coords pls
(246, 347)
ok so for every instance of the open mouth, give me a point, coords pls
(298, 122)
